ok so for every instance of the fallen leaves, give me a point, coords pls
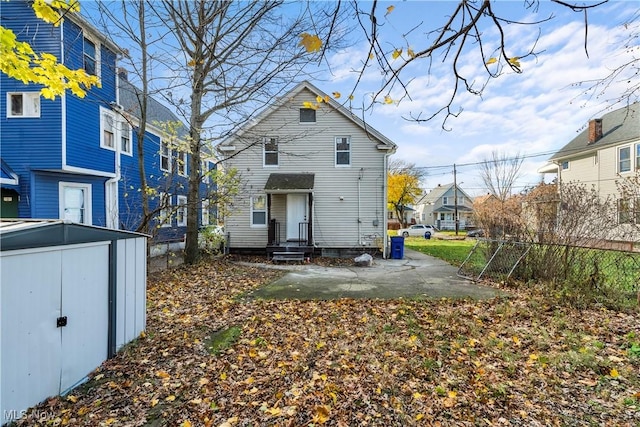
(357, 362)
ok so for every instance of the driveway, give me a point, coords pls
(415, 276)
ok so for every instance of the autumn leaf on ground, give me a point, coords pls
(310, 42)
(321, 414)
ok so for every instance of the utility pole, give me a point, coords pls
(455, 200)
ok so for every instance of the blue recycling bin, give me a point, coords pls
(397, 247)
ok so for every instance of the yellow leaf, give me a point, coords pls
(388, 100)
(319, 99)
(452, 394)
(321, 414)
(389, 10)
(396, 53)
(310, 105)
(71, 398)
(336, 95)
(417, 395)
(310, 42)
(514, 61)
(170, 398)
(186, 423)
(492, 61)
(274, 411)
(614, 373)
(350, 97)
(326, 99)
(371, 56)
(411, 53)
(223, 376)
(163, 375)
(419, 417)
(154, 402)
(516, 340)
(191, 63)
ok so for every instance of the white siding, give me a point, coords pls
(310, 148)
(130, 290)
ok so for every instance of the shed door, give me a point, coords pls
(31, 352)
(296, 213)
(85, 302)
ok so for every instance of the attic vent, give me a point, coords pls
(595, 130)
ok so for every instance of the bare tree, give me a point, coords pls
(462, 33)
(499, 173)
(234, 55)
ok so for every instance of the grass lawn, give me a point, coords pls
(211, 356)
(449, 248)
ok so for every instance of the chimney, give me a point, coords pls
(595, 130)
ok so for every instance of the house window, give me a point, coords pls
(307, 115)
(624, 159)
(205, 220)
(343, 150)
(89, 57)
(565, 165)
(24, 104)
(125, 137)
(461, 200)
(75, 202)
(182, 163)
(182, 211)
(389, 215)
(638, 156)
(165, 156)
(445, 200)
(259, 210)
(164, 206)
(107, 130)
(270, 151)
(624, 212)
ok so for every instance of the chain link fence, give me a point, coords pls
(601, 273)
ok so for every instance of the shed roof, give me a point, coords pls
(37, 233)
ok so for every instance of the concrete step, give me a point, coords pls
(288, 256)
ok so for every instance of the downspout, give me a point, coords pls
(385, 220)
(63, 106)
(360, 241)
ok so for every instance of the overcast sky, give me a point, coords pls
(532, 114)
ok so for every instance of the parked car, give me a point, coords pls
(475, 233)
(417, 230)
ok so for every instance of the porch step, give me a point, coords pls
(288, 256)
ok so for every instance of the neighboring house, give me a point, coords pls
(314, 179)
(393, 221)
(439, 206)
(77, 158)
(607, 151)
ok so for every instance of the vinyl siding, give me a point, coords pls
(310, 147)
(45, 199)
(83, 114)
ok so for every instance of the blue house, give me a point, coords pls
(77, 158)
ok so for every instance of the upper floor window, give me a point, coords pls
(270, 151)
(259, 210)
(182, 163)
(165, 156)
(445, 200)
(461, 200)
(638, 156)
(182, 211)
(343, 150)
(125, 137)
(107, 130)
(90, 59)
(23, 104)
(624, 159)
(565, 165)
(307, 115)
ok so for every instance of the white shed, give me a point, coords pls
(71, 296)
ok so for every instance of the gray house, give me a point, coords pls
(314, 179)
(440, 206)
